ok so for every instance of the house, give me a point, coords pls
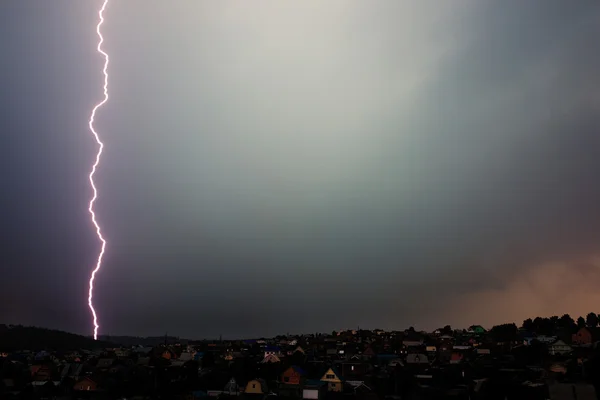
(331, 353)
(292, 381)
(271, 358)
(42, 355)
(186, 356)
(477, 329)
(483, 351)
(355, 371)
(368, 353)
(256, 386)
(333, 380)
(143, 361)
(559, 347)
(396, 362)
(86, 384)
(231, 388)
(584, 336)
(121, 353)
(272, 350)
(293, 375)
(545, 339)
(41, 372)
(412, 342)
(314, 390)
(359, 388)
(456, 357)
(104, 363)
(417, 359)
(167, 354)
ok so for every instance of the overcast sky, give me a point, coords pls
(301, 166)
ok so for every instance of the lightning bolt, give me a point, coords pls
(94, 166)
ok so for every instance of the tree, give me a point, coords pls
(580, 322)
(447, 330)
(566, 322)
(543, 326)
(504, 332)
(591, 320)
(547, 327)
(528, 325)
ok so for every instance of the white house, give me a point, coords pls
(559, 347)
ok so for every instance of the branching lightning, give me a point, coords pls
(94, 166)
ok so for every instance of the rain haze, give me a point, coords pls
(301, 166)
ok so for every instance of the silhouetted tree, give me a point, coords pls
(567, 322)
(504, 332)
(543, 326)
(591, 320)
(528, 325)
(580, 322)
(447, 330)
(548, 327)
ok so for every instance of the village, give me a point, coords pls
(505, 362)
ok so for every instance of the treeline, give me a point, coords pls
(548, 326)
(18, 337)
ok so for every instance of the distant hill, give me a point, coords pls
(150, 341)
(17, 337)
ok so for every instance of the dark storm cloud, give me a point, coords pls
(322, 165)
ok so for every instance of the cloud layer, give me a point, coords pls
(313, 165)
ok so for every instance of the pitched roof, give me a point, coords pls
(335, 372)
(298, 370)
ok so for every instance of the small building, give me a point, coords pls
(270, 359)
(86, 384)
(417, 359)
(256, 386)
(559, 347)
(477, 329)
(314, 390)
(584, 336)
(231, 388)
(333, 380)
(293, 375)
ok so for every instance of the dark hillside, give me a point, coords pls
(17, 337)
